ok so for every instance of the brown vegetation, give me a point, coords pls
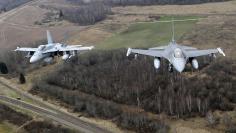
(46, 127)
(18, 118)
(12, 116)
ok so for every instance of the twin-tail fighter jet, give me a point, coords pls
(50, 50)
(177, 55)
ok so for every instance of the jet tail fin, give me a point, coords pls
(173, 30)
(49, 37)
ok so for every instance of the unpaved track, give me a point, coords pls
(48, 111)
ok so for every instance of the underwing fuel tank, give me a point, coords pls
(65, 56)
(195, 63)
(157, 63)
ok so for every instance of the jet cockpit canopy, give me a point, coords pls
(178, 53)
(42, 47)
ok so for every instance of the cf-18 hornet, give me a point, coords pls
(50, 50)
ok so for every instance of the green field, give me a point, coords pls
(148, 34)
(6, 127)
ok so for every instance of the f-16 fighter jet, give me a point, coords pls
(51, 49)
(177, 55)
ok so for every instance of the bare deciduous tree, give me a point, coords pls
(210, 118)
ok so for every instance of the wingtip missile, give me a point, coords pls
(17, 48)
(78, 45)
(221, 51)
(91, 47)
(128, 51)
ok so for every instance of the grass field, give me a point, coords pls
(6, 127)
(148, 34)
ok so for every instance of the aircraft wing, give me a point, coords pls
(68, 48)
(73, 48)
(158, 48)
(188, 48)
(76, 46)
(26, 49)
(154, 53)
(197, 53)
(51, 50)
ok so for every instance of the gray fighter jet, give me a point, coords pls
(177, 55)
(48, 51)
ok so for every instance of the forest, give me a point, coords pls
(92, 79)
(86, 14)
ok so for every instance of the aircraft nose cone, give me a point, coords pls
(33, 59)
(179, 65)
(179, 68)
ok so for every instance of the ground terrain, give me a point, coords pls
(18, 28)
(216, 29)
(200, 9)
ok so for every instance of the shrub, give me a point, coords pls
(22, 79)
(3, 68)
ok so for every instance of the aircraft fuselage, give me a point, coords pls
(39, 55)
(175, 55)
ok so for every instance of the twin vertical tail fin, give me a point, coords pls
(49, 37)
